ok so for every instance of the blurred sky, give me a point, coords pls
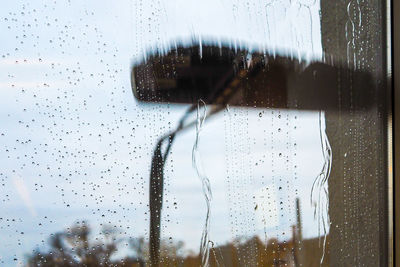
(76, 145)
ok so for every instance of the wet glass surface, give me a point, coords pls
(258, 147)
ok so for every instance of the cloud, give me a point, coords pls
(23, 192)
(33, 62)
(31, 84)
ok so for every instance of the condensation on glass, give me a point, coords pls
(187, 133)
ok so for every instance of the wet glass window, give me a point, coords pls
(194, 133)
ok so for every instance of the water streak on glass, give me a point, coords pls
(205, 182)
(353, 29)
(319, 190)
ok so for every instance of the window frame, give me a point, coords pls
(393, 32)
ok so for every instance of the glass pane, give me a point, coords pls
(187, 133)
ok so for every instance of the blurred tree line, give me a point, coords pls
(74, 247)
